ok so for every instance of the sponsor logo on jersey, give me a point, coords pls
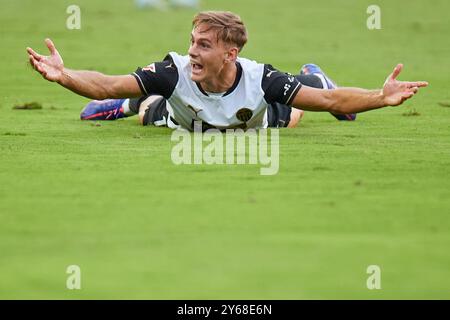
(150, 68)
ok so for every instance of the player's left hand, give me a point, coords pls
(396, 92)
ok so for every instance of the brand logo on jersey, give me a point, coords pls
(150, 68)
(270, 73)
(244, 114)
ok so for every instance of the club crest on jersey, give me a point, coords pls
(150, 68)
(244, 114)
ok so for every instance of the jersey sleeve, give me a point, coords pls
(279, 86)
(158, 78)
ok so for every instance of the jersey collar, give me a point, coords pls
(235, 84)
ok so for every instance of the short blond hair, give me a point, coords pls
(229, 26)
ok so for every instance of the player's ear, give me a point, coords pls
(231, 54)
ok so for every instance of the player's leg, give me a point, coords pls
(310, 80)
(296, 116)
(110, 109)
(153, 111)
(310, 71)
(283, 116)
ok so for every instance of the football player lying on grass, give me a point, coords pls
(213, 85)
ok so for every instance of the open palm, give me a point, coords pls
(396, 92)
(50, 67)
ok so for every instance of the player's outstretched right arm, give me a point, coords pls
(91, 84)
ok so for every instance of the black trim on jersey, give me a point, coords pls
(235, 84)
(158, 78)
(236, 81)
(201, 89)
(162, 77)
(279, 86)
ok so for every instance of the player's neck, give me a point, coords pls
(224, 80)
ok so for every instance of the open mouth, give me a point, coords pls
(196, 68)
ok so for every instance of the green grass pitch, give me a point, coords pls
(108, 198)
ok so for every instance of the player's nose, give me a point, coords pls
(192, 51)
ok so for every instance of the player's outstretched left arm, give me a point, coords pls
(354, 100)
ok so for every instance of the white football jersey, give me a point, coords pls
(244, 107)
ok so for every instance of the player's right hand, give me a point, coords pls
(50, 67)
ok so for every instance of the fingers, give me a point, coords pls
(414, 86)
(411, 91)
(418, 84)
(51, 46)
(31, 59)
(396, 71)
(406, 95)
(37, 65)
(36, 56)
(33, 62)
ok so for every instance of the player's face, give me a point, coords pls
(207, 54)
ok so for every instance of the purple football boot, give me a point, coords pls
(315, 70)
(109, 109)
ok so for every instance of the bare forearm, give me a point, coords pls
(354, 100)
(90, 84)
